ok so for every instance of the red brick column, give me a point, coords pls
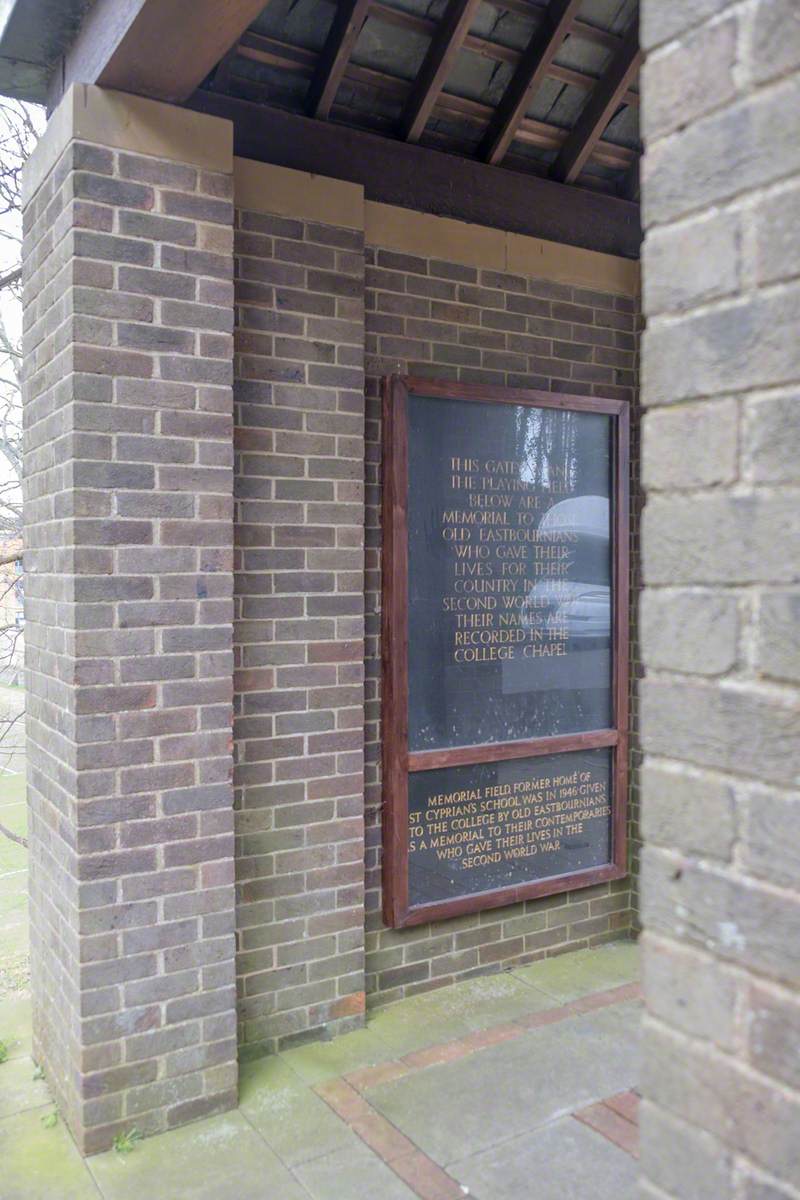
(128, 507)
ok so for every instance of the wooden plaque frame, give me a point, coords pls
(397, 761)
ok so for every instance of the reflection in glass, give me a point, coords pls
(509, 539)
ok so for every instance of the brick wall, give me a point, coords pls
(446, 320)
(721, 561)
(299, 729)
(128, 500)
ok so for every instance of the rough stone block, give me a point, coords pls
(689, 77)
(688, 810)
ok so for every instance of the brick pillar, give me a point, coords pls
(721, 544)
(128, 508)
(299, 393)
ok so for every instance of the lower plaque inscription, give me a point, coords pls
(501, 825)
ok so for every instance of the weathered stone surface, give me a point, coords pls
(683, 1160)
(773, 435)
(663, 20)
(725, 538)
(692, 631)
(777, 646)
(773, 1034)
(686, 79)
(691, 263)
(690, 446)
(773, 42)
(770, 835)
(733, 917)
(725, 725)
(746, 343)
(690, 990)
(745, 145)
(690, 810)
(714, 1092)
(721, 357)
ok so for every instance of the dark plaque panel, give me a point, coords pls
(491, 826)
(509, 572)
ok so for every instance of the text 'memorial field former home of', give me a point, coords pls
(374, 617)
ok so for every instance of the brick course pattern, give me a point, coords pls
(446, 320)
(128, 511)
(721, 564)
(299, 641)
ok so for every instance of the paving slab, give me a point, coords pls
(219, 1159)
(414, 1024)
(318, 1061)
(563, 1159)
(293, 1121)
(15, 1023)
(570, 976)
(461, 1107)
(489, 1000)
(19, 1090)
(352, 1174)
(42, 1164)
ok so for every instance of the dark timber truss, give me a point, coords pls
(498, 132)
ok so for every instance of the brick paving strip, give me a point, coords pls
(616, 1119)
(424, 1176)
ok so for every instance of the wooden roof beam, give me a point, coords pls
(527, 78)
(144, 47)
(413, 176)
(492, 50)
(442, 54)
(599, 109)
(303, 62)
(347, 23)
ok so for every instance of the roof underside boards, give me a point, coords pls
(504, 81)
(277, 57)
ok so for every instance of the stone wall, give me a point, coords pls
(128, 505)
(721, 561)
(448, 320)
(299, 682)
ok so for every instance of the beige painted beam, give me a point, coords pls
(157, 48)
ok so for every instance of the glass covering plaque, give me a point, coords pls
(504, 645)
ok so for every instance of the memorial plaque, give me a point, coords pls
(501, 825)
(509, 572)
(504, 627)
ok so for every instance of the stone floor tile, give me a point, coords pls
(568, 976)
(19, 1090)
(294, 1122)
(488, 1000)
(413, 1025)
(39, 1163)
(222, 1158)
(325, 1060)
(563, 1159)
(530, 1079)
(15, 1024)
(352, 1174)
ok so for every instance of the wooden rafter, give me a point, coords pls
(347, 23)
(528, 76)
(492, 50)
(444, 49)
(301, 61)
(599, 109)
